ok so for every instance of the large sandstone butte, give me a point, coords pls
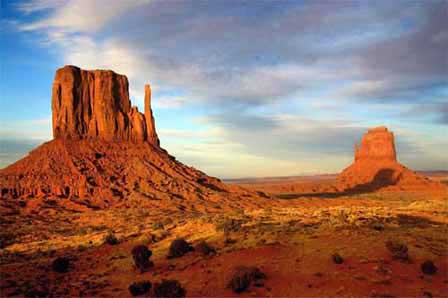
(104, 152)
(95, 104)
(376, 167)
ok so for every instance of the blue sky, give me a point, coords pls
(241, 88)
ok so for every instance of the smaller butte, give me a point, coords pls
(376, 167)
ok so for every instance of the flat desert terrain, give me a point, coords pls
(358, 245)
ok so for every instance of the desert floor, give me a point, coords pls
(292, 240)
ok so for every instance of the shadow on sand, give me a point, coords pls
(383, 178)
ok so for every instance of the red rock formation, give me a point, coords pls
(95, 104)
(376, 167)
(150, 124)
(105, 151)
(378, 144)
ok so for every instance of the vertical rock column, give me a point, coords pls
(150, 124)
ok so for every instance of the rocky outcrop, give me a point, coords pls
(376, 167)
(95, 104)
(378, 144)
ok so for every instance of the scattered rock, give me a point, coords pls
(337, 259)
(205, 249)
(398, 250)
(139, 288)
(178, 248)
(141, 255)
(428, 268)
(61, 265)
(169, 288)
(243, 277)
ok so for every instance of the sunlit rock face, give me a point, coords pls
(95, 104)
(376, 167)
(377, 144)
(105, 152)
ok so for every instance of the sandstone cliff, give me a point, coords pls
(378, 144)
(95, 104)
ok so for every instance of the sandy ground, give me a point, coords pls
(291, 239)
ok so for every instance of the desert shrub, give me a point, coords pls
(37, 292)
(205, 249)
(429, 268)
(7, 239)
(82, 247)
(243, 277)
(178, 248)
(139, 288)
(61, 264)
(378, 226)
(167, 221)
(111, 239)
(398, 250)
(259, 283)
(230, 241)
(157, 225)
(337, 259)
(169, 288)
(141, 255)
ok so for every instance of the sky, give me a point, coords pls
(241, 88)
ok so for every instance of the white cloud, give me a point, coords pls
(78, 15)
(169, 102)
(39, 5)
(228, 64)
(361, 88)
(189, 134)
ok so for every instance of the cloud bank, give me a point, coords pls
(295, 83)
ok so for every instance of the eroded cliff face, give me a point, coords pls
(377, 144)
(105, 152)
(376, 167)
(95, 104)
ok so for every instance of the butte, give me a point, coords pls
(376, 167)
(106, 153)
